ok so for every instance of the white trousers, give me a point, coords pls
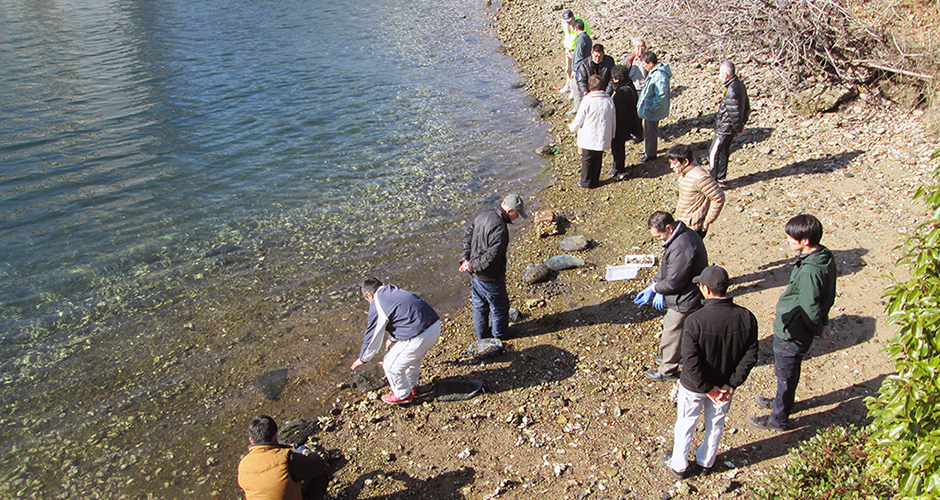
(402, 363)
(690, 405)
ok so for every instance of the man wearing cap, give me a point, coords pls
(582, 52)
(484, 256)
(719, 348)
(684, 257)
(567, 27)
(413, 328)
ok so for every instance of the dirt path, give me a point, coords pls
(569, 413)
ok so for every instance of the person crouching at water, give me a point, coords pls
(272, 471)
(413, 328)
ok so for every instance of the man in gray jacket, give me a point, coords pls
(485, 244)
(733, 113)
(684, 257)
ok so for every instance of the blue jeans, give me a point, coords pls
(788, 358)
(490, 308)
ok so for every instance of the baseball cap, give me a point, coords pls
(567, 15)
(514, 201)
(714, 277)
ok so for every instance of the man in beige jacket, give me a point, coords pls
(700, 196)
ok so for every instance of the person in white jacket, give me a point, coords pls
(595, 124)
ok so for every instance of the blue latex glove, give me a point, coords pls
(658, 301)
(644, 297)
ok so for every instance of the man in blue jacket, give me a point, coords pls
(802, 315)
(654, 101)
(413, 328)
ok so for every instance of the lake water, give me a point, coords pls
(189, 192)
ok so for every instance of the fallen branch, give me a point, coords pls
(899, 71)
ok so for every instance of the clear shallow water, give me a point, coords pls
(322, 139)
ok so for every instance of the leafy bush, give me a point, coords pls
(907, 410)
(832, 464)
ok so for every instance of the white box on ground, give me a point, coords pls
(632, 264)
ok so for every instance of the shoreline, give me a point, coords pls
(568, 412)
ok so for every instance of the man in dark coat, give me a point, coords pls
(684, 257)
(484, 256)
(719, 349)
(597, 64)
(628, 123)
(733, 113)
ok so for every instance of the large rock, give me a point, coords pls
(574, 243)
(562, 262)
(536, 273)
(821, 98)
(296, 431)
(272, 383)
(546, 151)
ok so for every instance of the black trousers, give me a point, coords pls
(591, 168)
(718, 156)
(618, 150)
(788, 359)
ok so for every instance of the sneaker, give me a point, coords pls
(765, 424)
(572, 111)
(564, 90)
(655, 376)
(645, 158)
(765, 403)
(392, 399)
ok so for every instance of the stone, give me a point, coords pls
(272, 383)
(574, 243)
(821, 98)
(546, 151)
(531, 101)
(562, 262)
(536, 273)
(483, 348)
(296, 431)
(545, 111)
(544, 215)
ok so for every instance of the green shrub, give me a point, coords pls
(833, 464)
(907, 410)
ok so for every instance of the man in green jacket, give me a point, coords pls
(802, 315)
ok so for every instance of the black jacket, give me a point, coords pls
(734, 110)
(719, 346)
(684, 257)
(625, 99)
(485, 243)
(588, 67)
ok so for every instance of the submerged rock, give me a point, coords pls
(222, 250)
(536, 273)
(562, 262)
(546, 151)
(575, 243)
(272, 383)
(545, 111)
(531, 101)
(370, 380)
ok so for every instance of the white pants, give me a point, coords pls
(690, 405)
(402, 363)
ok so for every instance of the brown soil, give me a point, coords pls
(568, 412)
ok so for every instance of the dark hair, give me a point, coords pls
(262, 429)
(369, 285)
(660, 220)
(680, 153)
(649, 57)
(805, 227)
(595, 82)
(597, 48)
(578, 25)
(620, 73)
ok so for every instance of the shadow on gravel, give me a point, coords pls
(847, 332)
(529, 367)
(850, 409)
(444, 486)
(618, 310)
(777, 273)
(814, 165)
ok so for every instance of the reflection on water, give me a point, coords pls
(189, 191)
